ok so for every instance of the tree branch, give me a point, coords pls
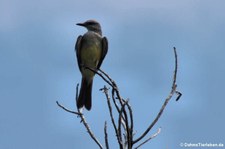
(151, 137)
(90, 131)
(106, 136)
(86, 124)
(125, 124)
(119, 138)
(67, 110)
(173, 90)
(83, 120)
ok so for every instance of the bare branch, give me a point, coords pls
(128, 133)
(67, 110)
(131, 125)
(114, 100)
(176, 67)
(110, 79)
(131, 119)
(125, 124)
(89, 130)
(106, 136)
(101, 75)
(114, 85)
(111, 116)
(123, 118)
(173, 90)
(117, 106)
(79, 113)
(86, 124)
(179, 94)
(151, 137)
(121, 122)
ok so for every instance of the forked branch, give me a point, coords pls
(122, 121)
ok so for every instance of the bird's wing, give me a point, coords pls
(104, 51)
(78, 49)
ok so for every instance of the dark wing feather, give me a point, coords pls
(77, 50)
(104, 51)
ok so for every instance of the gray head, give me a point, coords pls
(92, 25)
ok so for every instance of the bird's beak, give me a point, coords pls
(80, 24)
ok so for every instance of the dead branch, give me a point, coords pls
(83, 120)
(106, 136)
(173, 90)
(67, 110)
(118, 135)
(125, 124)
(151, 137)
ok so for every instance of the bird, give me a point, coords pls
(91, 49)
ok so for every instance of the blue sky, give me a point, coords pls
(38, 67)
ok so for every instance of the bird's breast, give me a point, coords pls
(91, 51)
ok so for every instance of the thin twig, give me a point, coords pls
(106, 136)
(176, 67)
(129, 138)
(79, 113)
(131, 124)
(86, 124)
(123, 118)
(151, 137)
(67, 110)
(131, 117)
(102, 76)
(110, 79)
(114, 100)
(89, 130)
(109, 106)
(119, 131)
(115, 103)
(179, 94)
(114, 85)
(173, 90)
(111, 116)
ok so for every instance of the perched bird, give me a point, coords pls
(91, 49)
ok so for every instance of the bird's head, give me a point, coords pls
(91, 25)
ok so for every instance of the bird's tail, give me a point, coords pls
(84, 98)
